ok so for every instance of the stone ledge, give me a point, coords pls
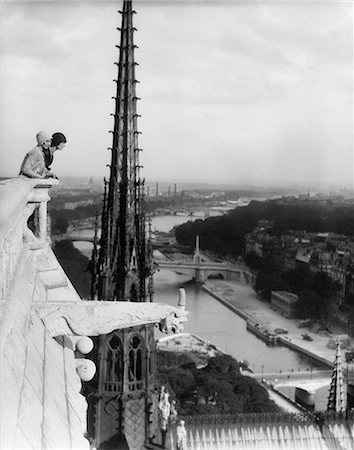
(93, 318)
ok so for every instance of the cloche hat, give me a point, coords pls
(42, 136)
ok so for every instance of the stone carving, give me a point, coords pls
(173, 413)
(165, 408)
(164, 414)
(85, 368)
(174, 323)
(83, 344)
(92, 318)
(181, 436)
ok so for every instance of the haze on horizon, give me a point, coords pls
(232, 93)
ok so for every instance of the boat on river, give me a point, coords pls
(262, 332)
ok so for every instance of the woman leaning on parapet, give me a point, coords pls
(37, 161)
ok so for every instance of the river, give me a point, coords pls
(210, 319)
(214, 322)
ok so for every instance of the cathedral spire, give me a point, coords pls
(336, 398)
(122, 264)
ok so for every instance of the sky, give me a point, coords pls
(256, 92)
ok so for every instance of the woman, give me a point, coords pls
(57, 143)
(33, 165)
(37, 161)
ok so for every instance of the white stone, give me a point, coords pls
(21, 441)
(30, 415)
(85, 368)
(84, 345)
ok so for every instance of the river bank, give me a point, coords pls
(248, 306)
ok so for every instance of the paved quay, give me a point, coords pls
(245, 303)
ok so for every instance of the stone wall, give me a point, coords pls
(41, 404)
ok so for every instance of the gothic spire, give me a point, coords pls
(123, 265)
(336, 398)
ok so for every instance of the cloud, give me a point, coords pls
(238, 90)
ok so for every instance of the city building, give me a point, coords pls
(284, 302)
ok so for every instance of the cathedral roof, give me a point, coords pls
(286, 435)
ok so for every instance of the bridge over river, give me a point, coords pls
(200, 270)
(77, 238)
(305, 383)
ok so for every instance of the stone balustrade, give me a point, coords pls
(20, 199)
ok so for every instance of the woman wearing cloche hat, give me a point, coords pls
(37, 160)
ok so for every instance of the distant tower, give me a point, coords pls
(197, 258)
(122, 271)
(157, 190)
(336, 398)
(175, 190)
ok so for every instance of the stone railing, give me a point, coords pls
(22, 201)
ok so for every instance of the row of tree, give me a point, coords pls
(315, 290)
(61, 218)
(218, 388)
(224, 235)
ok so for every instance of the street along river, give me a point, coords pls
(214, 322)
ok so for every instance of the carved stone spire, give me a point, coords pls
(122, 264)
(124, 383)
(336, 398)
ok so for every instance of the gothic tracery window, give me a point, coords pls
(114, 364)
(133, 294)
(137, 353)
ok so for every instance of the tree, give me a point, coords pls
(182, 382)
(216, 388)
(60, 225)
(311, 305)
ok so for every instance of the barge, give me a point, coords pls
(262, 332)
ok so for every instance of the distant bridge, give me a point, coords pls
(289, 378)
(202, 270)
(77, 238)
(306, 383)
(199, 269)
(193, 212)
(156, 243)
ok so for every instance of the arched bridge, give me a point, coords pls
(202, 270)
(78, 238)
(305, 383)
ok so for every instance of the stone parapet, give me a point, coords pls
(21, 198)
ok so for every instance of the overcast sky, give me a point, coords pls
(241, 92)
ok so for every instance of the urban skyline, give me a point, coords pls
(263, 97)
